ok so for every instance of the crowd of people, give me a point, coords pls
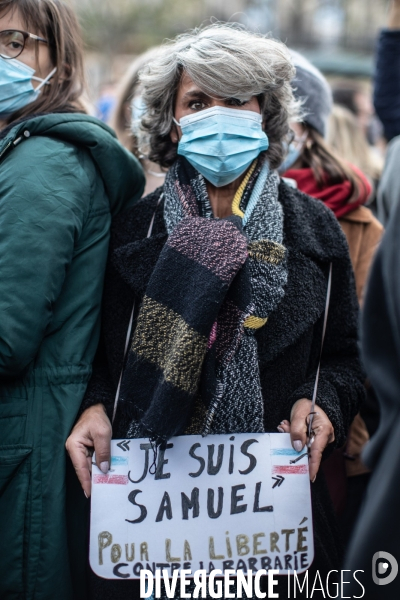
(168, 274)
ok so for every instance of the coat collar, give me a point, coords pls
(362, 214)
(310, 227)
(313, 239)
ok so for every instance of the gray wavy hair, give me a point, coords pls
(225, 61)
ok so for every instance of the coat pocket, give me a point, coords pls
(14, 488)
(12, 421)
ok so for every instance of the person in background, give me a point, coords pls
(126, 116)
(378, 528)
(63, 175)
(317, 171)
(387, 106)
(357, 100)
(387, 80)
(106, 101)
(224, 218)
(388, 195)
(347, 140)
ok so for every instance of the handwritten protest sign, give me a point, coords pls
(238, 502)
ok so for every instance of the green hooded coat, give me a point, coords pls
(62, 178)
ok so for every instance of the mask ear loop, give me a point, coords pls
(44, 81)
(178, 125)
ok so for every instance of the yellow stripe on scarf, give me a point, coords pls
(251, 322)
(254, 322)
(238, 196)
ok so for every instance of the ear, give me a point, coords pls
(65, 72)
(173, 134)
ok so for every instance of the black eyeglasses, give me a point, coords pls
(12, 42)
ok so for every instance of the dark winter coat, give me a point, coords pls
(387, 82)
(62, 178)
(389, 188)
(378, 527)
(289, 345)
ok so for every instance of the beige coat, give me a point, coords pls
(363, 232)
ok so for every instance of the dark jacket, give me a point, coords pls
(62, 178)
(378, 527)
(387, 82)
(289, 345)
(389, 188)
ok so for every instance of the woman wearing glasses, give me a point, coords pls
(62, 177)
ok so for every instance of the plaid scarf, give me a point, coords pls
(193, 363)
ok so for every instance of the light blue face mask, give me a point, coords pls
(16, 89)
(221, 143)
(294, 151)
(138, 108)
(292, 155)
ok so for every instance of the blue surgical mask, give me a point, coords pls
(294, 150)
(138, 109)
(292, 155)
(16, 89)
(221, 143)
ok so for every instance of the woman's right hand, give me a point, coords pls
(91, 433)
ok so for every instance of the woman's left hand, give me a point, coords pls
(323, 430)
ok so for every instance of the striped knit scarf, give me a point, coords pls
(193, 363)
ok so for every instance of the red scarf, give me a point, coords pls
(337, 196)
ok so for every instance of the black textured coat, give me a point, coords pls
(289, 345)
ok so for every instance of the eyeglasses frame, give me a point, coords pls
(26, 35)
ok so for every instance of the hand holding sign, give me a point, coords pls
(212, 503)
(91, 433)
(322, 427)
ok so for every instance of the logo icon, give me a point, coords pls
(384, 568)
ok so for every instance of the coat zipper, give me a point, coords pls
(26, 134)
(5, 149)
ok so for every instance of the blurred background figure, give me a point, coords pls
(387, 104)
(126, 116)
(379, 525)
(387, 80)
(319, 172)
(316, 170)
(347, 139)
(354, 97)
(106, 102)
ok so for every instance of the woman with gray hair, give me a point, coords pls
(227, 269)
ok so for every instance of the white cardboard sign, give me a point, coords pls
(229, 502)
